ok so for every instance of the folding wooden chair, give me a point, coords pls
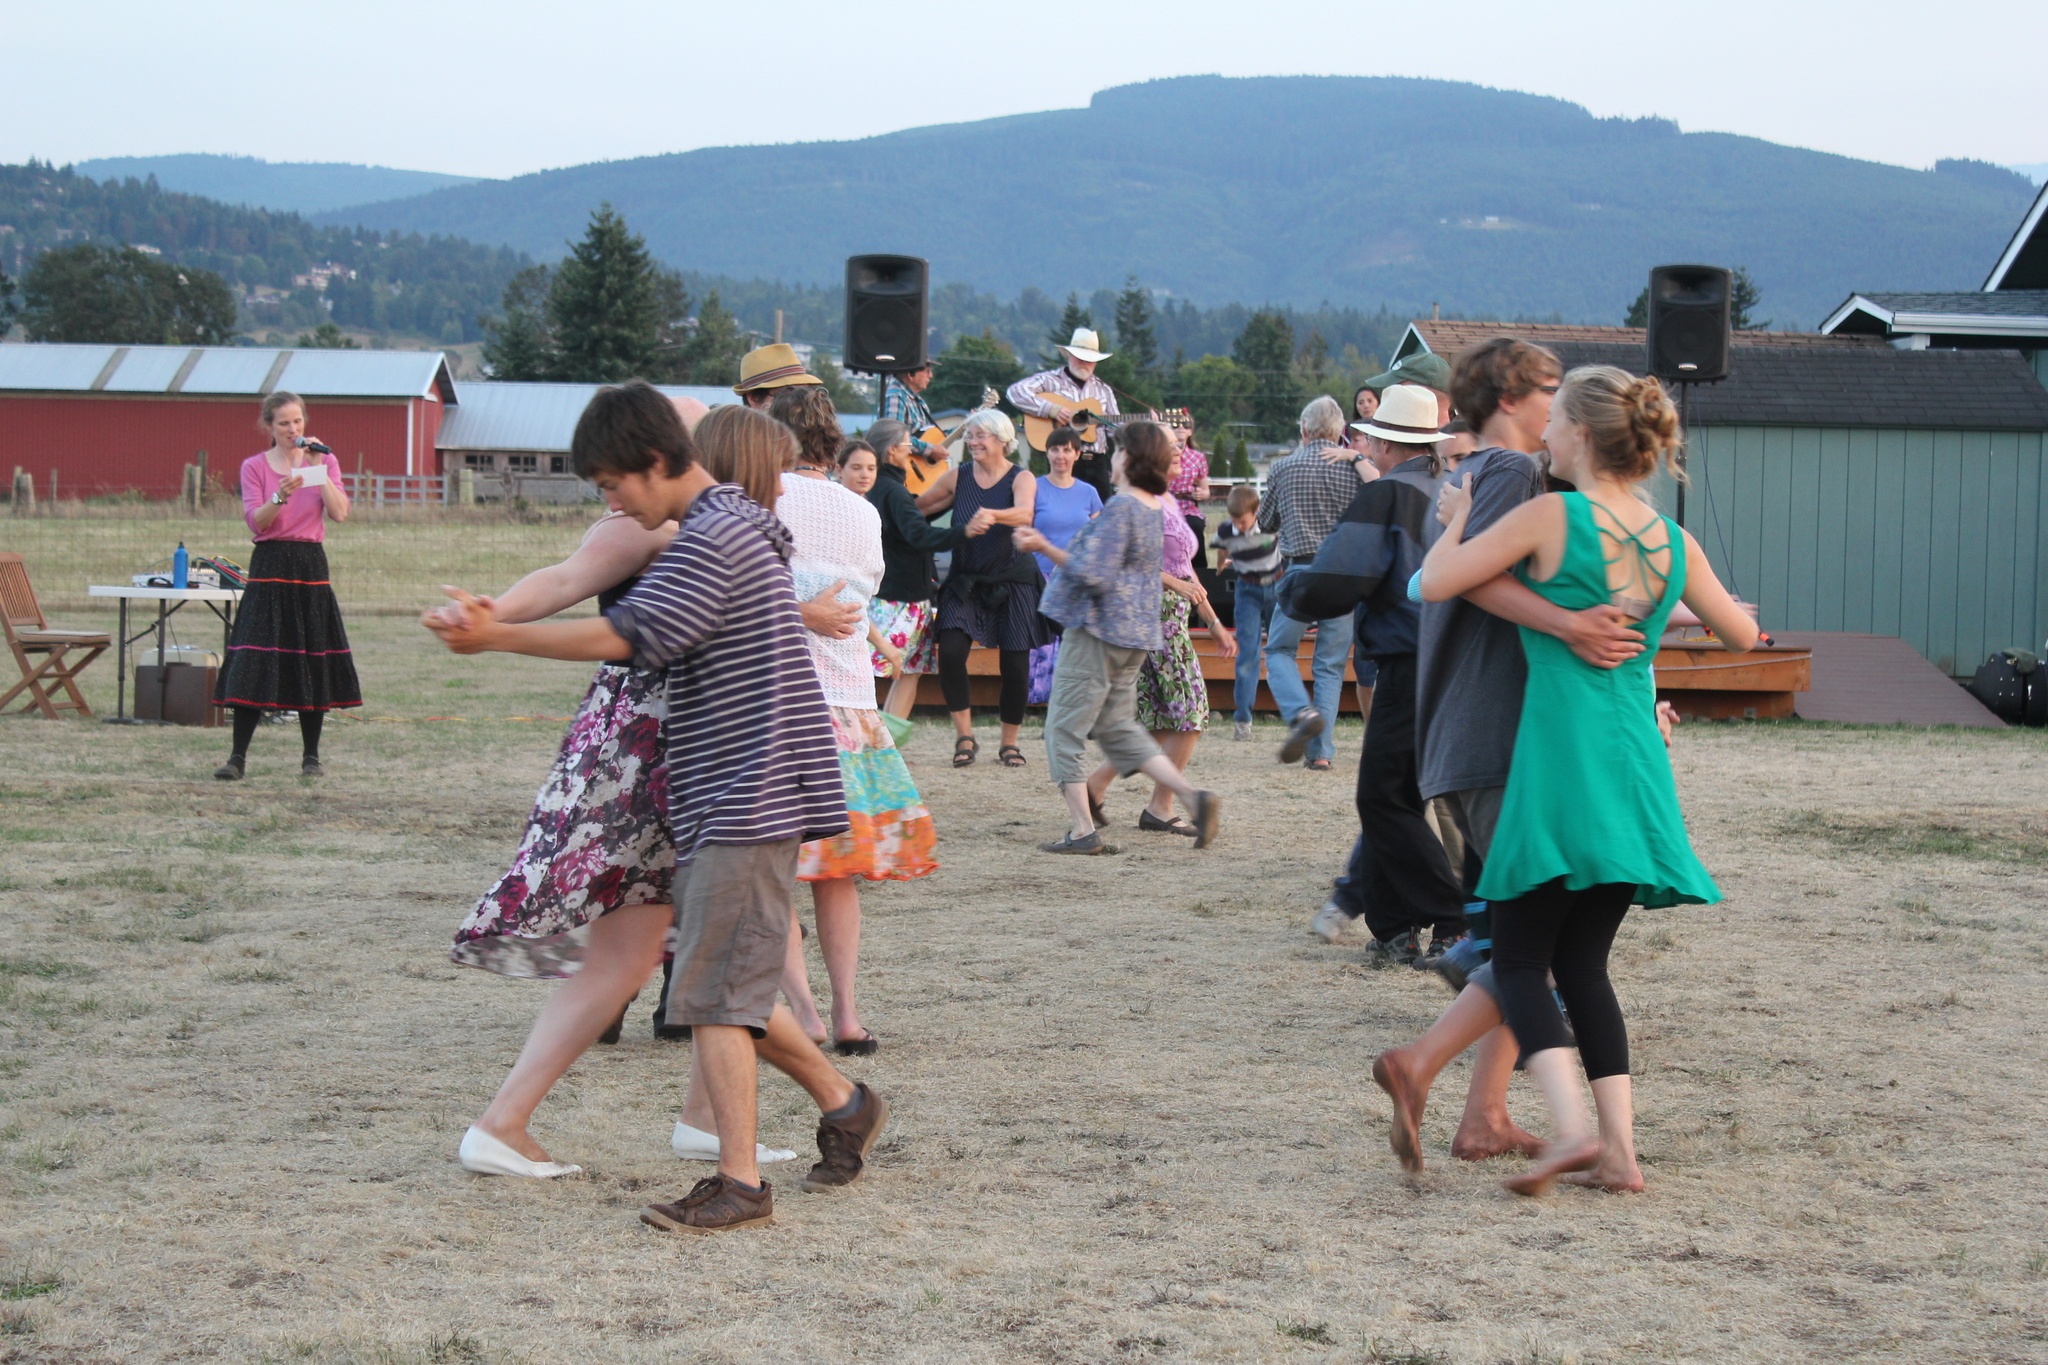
(29, 635)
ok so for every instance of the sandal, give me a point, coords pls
(1171, 825)
(864, 1046)
(964, 750)
(1010, 756)
(1318, 765)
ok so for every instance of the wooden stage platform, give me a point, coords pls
(1815, 675)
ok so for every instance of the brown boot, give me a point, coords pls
(843, 1147)
(717, 1203)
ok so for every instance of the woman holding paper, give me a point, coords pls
(289, 651)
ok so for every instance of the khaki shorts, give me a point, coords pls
(732, 933)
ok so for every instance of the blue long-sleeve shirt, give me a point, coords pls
(1364, 565)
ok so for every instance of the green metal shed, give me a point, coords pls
(1846, 486)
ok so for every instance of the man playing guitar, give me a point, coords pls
(903, 401)
(1074, 383)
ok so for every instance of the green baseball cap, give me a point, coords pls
(1424, 368)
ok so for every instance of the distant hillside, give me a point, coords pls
(287, 186)
(389, 282)
(1359, 191)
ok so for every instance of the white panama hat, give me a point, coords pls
(1407, 414)
(1085, 345)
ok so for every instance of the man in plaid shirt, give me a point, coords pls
(903, 401)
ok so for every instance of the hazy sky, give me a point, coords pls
(500, 88)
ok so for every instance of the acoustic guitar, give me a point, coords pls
(1084, 415)
(921, 474)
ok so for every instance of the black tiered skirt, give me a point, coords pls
(288, 651)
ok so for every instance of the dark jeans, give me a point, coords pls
(1398, 876)
(1552, 932)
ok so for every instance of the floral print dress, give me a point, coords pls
(1172, 694)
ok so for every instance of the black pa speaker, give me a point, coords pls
(885, 313)
(1688, 341)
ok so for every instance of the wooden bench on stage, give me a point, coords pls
(1704, 681)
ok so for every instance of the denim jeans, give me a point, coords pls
(1254, 612)
(1283, 672)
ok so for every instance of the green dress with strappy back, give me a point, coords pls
(1591, 797)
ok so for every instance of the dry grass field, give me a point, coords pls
(1134, 1115)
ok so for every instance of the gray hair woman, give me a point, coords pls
(991, 596)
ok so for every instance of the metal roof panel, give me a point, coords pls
(230, 369)
(360, 374)
(52, 369)
(147, 369)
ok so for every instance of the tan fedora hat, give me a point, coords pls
(1086, 345)
(772, 367)
(1407, 413)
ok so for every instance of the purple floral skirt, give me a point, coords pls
(598, 839)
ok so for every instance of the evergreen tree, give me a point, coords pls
(715, 346)
(1135, 340)
(969, 365)
(7, 307)
(1314, 360)
(519, 343)
(328, 337)
(118, 294)
(1266, 348)
(605, 306)
(1072, 316)
(1216, 390)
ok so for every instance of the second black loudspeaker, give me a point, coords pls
(1688, 340)
(885, 313)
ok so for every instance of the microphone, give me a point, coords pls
(317, 447)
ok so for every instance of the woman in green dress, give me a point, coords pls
(1590, 824)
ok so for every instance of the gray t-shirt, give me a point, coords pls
(1469, 665)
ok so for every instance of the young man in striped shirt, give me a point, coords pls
(753, 772)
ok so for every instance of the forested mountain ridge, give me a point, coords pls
(283, 186)
(1357, 190)
(430, 286)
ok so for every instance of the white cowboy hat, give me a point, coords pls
(1086, 346)
(1407, 413)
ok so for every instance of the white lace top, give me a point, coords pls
(838, 535)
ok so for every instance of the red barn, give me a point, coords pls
(110, 419)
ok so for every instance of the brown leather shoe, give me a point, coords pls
(844, 1146)
(717, 1203)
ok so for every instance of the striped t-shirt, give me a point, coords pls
(751, 757)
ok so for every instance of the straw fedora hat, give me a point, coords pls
(772, 367)
(1086, 345)
(1407, 414)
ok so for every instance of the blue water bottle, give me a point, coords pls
(181, 567)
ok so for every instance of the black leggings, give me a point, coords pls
(1566, 934)
(247, 718)
(1016, 666)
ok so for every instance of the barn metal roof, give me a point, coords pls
(242, 371)
(502, 415)
(1448, 336)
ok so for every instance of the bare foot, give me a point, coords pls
(1557, 1159)
(1390, 1073)
(1613, 1177)
(1484, 1143)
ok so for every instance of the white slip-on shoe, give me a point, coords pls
(694, 1144)
(1330, 923)
(485, 1155)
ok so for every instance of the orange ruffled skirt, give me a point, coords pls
(889, 834)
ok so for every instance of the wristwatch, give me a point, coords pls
(277, 498)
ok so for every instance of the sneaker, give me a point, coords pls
(1330, 923)
(1242, 731)
(1459, 961)
(843, 1146)
(310, 767)
(1307, 724)
(232, 770)
(1091, 846)
(1439, 944)
(717, 1203)
(1399, 951)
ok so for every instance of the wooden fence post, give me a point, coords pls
(24, 491)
